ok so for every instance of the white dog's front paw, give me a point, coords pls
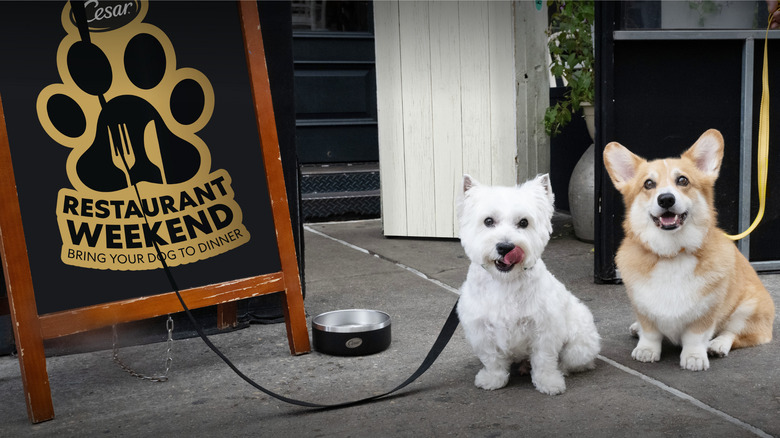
(694, 360)
(551, 383)
(491, 380)
(646, 353)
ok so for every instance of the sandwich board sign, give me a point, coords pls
(128, 126)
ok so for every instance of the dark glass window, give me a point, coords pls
(334, 16)
(693, 14)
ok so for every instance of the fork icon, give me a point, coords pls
(122, 154)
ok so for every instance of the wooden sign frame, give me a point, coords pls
(30, 328)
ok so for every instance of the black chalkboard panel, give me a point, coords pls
(166, 82)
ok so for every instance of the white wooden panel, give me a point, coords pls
(533, 92)
(475, 89)
(390, 115)
(418, 131)
(445, 88)
(524, 94)
(503, 134)
(449, 95)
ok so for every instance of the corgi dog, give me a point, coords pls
(686, 281)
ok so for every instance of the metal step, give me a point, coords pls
(340, 192)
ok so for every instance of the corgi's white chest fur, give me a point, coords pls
(673, 296)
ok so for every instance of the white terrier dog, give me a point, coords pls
(511, 307)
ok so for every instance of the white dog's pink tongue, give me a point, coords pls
(514, 256)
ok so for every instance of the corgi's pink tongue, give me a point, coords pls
(514, 256)
(668, 219)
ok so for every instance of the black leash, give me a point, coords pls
(438, 346)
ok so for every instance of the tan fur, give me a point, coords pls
(727, 280)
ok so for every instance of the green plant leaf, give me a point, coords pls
(571, 49)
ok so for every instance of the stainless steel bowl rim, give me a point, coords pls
(346, 321)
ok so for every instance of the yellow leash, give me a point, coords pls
(763, 142)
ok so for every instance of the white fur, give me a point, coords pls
(674, 308)
(525, 313)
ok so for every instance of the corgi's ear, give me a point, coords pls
(469, 183)
(544, 182)
(707, 152)
(621, 164)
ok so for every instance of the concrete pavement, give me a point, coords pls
(351, 265)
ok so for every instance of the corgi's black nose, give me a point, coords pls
(666, 200)
(504, 247)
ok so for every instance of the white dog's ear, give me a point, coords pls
(460, 195)
(621, 164)
(544, 181)
(707, 152)
(468, 183)
(543, 188)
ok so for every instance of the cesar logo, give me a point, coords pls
(108, 15)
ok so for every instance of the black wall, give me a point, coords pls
(656, 97)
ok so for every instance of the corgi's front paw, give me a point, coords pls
(646, 353)
(720, 346)
(694, 360)
(633, 329)
(491, 380)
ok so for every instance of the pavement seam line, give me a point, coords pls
(381, 257)
(657, 383)
(694, 401)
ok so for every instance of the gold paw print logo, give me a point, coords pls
(131, 118)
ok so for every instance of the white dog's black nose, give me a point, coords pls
(666, 200)
(504, 247)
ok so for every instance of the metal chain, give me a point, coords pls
(169, 358)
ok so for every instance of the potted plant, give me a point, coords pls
(571, 49)
(572, 58)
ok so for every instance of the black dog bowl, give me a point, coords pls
(355, 332)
